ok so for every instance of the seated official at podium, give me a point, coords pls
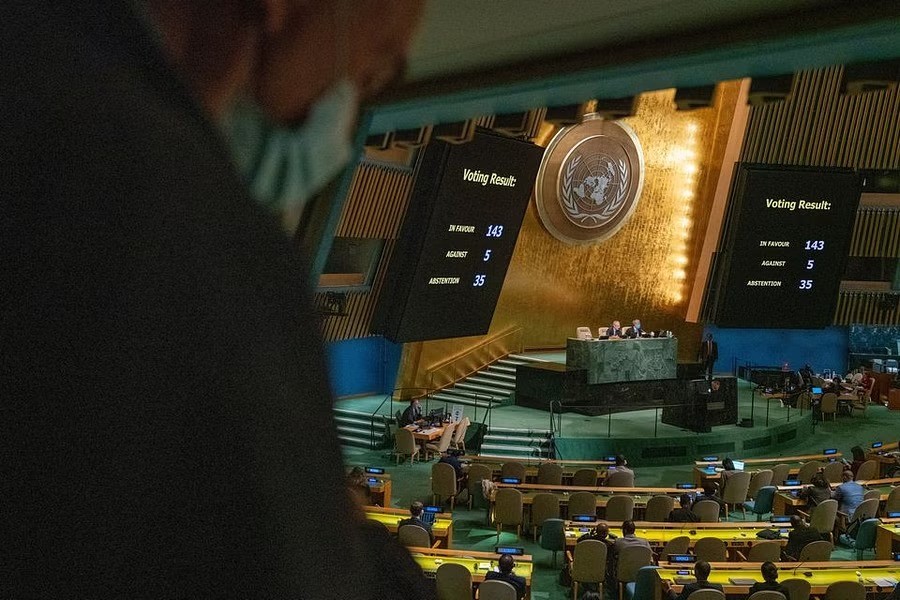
(636, 331)
(614, 331)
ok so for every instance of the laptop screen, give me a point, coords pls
(738, 465)
(429, 513)
(817, 391)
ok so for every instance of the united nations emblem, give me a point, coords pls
(590, 180)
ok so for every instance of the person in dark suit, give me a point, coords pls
(412, 414)
(506, 566)
(415, 518)
(636, 330)
(701, 572)
(683, 514)
(770, 580)
(709, 354)
(614, 330)
(167, 427)
(801, 534)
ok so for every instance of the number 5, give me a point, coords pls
(487, 255)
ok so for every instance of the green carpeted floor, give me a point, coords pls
(470, 530)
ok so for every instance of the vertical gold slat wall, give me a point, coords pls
(817, 125)
(876, 232)
(374, 208)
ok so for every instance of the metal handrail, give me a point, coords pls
(432, 371)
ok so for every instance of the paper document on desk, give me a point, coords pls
(885, 581)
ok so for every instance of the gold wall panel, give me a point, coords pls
(642, 272)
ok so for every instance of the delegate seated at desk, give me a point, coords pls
(412, 414)
(614, 331)
(636, 331)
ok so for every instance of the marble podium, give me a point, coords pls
(612, 361)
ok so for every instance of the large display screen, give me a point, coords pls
(457, 238)
(785, 246)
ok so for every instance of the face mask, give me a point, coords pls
(285, 167)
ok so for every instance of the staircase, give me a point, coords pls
(491, 386)
(521, 443)
(355, 429)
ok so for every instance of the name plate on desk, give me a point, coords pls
(613, 361)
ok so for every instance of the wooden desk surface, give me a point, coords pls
(821, 574)
(598, 489)
(428, 434)
(391, 517)
(886, 538)
(478, 563)
(536, 462)
(735, 535)
(775, 459)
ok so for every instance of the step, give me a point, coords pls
(358, 414)
(474, 395)
(500, 375)
(502, 368)
(519, 431)
(527, 358)
(358, 422)
(477, 387)
(348, 440)
(487, 448)
(487, 380)
(359, 432)
(514, 439)
(456, 399)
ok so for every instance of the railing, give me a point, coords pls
(555, 427)
(473, 360)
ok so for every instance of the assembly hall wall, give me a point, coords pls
(644, 271)
(819, 124)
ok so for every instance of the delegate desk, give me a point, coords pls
(611, 361)
(737, 535)
(478, 563)
(532, 464)
(711, 470)
(380, 489)
(876, 575)
(641, 495)
(391, 517)
(787, 503)
(887, 539)
(886, 464)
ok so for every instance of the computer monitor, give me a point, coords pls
(512, 480)
(583, 518)
(375, 470)
(876, 445)
(817, 391)
(738, 465)
(829, 451)
(781, 518)
(514, 550)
